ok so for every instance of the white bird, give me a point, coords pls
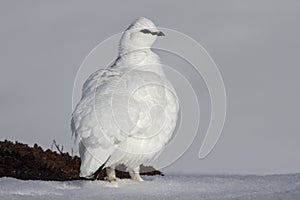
(128, 112)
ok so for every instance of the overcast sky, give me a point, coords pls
(254, 43)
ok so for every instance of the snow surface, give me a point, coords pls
(167, 187)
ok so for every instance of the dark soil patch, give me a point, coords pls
(33, 163)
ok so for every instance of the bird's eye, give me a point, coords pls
(146, 31)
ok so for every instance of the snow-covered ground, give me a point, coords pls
(167, 187)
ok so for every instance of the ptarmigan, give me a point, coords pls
(128, 111)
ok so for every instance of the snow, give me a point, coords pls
(167, 187)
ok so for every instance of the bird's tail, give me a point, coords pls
(92, 161)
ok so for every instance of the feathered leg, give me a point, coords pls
(111, 174)
(135, 174)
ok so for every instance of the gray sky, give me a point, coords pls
(254, 43)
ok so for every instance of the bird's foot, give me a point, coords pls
(111, 174)
(111, 180)
(136, 176)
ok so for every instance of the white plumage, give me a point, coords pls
(127, 112)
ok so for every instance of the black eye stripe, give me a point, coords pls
(146, 31)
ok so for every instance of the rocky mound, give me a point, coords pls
(33, 163)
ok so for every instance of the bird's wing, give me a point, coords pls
(100, 120)
(156, 116)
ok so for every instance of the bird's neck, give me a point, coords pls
(142, 59)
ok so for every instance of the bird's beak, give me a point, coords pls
(160, 33)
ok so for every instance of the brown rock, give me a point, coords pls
(33, 163)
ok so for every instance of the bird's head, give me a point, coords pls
(141, 34)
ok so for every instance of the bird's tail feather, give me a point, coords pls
(92, 160)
